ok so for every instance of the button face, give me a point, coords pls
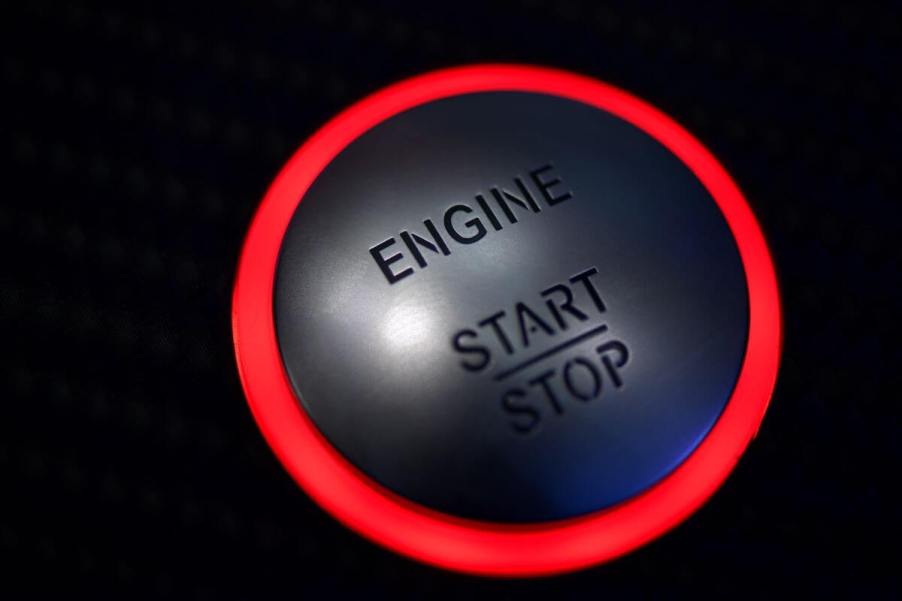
(506, 320)
(510, 307)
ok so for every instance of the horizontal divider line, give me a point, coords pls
(555, 349)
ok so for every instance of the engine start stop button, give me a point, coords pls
(507, 320)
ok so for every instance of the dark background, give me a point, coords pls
(137, 142)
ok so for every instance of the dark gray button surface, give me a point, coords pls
(510, 307)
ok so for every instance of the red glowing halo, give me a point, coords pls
(441, 539)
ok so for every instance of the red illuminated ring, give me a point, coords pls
(442, 539)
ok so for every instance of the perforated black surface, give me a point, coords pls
(137, 142)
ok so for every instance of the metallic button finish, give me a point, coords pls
(559, 237)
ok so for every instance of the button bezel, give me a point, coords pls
(449, 541)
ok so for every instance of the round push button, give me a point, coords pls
(506, 320)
